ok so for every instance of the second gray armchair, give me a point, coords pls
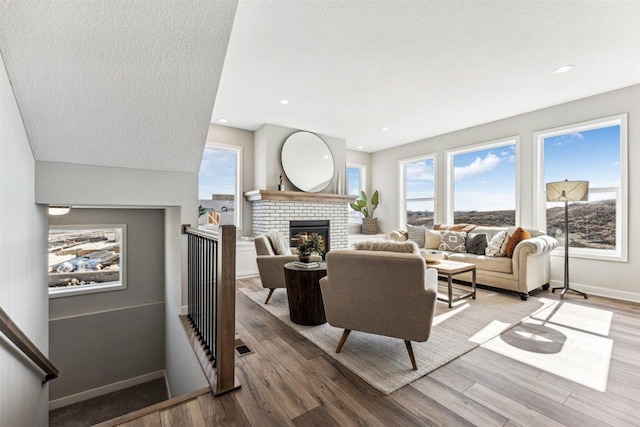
(271, 265)
(384, 293)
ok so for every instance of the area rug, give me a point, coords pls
(384, 363)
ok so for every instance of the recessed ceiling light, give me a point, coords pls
(360, 147)
(325, 157)
(385, 128)
(223, 120)
(284, 102)
(564, 69)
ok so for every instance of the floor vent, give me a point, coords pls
(241, 348)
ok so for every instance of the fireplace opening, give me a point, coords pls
(299, 230)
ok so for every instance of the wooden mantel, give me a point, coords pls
(298, 196)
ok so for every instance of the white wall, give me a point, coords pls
(177, 192)
(23, 294)
(614, 279)
(239, 138)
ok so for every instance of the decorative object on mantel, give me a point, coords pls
(309, 245)
(367, 208)
(280, 186)
(307, 161)
(567, 191)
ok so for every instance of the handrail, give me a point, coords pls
(17, 337)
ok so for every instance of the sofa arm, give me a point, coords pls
(534, 246)
(531, 264)
(398, 236)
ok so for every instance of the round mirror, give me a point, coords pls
(307, 161)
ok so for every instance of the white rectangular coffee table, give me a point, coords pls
(449, 269)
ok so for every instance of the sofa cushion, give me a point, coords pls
(518, 235)
(387, 245)
(453, 241)
(454, 227)
(416, 233)
(432, 239)
(278, 242)
(483, 262)
(476, 243)
(497, 247)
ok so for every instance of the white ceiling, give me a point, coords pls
(420, 68)
(127, 83)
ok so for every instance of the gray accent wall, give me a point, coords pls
(23, 248)
(177, 194)
(102, 338)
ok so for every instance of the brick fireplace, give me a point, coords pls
(274, 210)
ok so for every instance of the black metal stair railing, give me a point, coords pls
(211, 299)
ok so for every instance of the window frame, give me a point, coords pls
(402, 187)
(620, 254)
(95, 288)
(362, 185)
(239, 201)
(450, 180)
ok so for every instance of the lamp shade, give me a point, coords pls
(568, 191)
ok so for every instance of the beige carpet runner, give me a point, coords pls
(384, 363)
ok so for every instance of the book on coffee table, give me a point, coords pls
(306, 264)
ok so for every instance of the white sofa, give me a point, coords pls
(525, 271)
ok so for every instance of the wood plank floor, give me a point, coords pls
(288, 381)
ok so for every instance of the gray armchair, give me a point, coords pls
(271, 266)
(384, 293)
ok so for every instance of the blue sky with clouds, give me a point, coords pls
(217, 173)
(592, 155)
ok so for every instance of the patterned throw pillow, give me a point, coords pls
(279, 243)
(476, 243)
(494, 249)
(432, 239)
(416, 234)
(518, 235)
(453, 241)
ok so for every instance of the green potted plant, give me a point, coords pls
(367, 207)
(312, 243)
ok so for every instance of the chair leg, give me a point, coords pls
(269, 296)
(411, 356)
(345, 334)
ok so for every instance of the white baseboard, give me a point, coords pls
(246, 274)
(109, 388)
(601, 292)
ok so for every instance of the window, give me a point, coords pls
(593, 151)
(86, 259)
(483, 184)
(417, 191)
(356, 182)
(219, 189)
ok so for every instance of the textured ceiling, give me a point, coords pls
(420, 68)
(127, 83)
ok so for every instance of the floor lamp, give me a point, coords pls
(567, 191)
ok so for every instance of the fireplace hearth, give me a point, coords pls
(300, 229)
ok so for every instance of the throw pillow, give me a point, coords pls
(279, 243)
(453, 241)
(455, 227)
(387, 245)
(476, 243)
(416, 233)
(494, 248)
(432, 239)
(398, 235)
(518, 235)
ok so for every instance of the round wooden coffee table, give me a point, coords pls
(303, 291)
